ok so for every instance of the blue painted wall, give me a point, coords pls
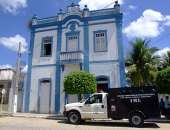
(28, 85)
(86, 45)
(120, 50)
(58, 70)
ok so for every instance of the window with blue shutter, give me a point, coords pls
(100, 41)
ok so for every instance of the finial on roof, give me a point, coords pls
(34, 16)
(33, 21)
(117, 5)
(60, 11)
(116, 2)
(72, 4)
(85, 8)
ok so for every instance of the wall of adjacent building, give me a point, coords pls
(38, 74)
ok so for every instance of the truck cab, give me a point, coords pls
(94, 107)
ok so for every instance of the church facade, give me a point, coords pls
(71, 41)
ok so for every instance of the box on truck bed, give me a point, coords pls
(129, 101)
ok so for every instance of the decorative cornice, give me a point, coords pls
(74, 12)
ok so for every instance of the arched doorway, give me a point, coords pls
(102, 83)
(44, 96)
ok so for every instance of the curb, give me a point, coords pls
(161, 120)
(43, 116)
(61, 117)
(31, 115)
(5, 114)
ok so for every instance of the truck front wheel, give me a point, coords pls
(74, 117)
(136, 120)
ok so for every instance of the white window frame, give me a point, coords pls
(100, 37)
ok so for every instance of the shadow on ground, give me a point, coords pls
(112, 124)
(162, 120)
(56, 118)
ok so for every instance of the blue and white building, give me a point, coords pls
(71, 41)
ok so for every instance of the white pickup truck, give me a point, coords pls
(119, 103)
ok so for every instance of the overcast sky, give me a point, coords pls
(148, 19)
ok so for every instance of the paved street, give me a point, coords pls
(19, 123)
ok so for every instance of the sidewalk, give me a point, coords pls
(61, 117)
(5, 114)
(35, 115)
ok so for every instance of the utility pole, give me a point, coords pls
(17, 79)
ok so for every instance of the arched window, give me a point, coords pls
(102, 83)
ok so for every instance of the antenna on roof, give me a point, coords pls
(114, 1)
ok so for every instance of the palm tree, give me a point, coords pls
(166, 60)
(141, 63)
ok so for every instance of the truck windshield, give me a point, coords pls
(94, 99)
(82, 100)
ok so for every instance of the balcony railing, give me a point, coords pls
(75, 57)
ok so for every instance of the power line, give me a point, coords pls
(109, 4)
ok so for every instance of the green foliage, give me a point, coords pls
(163, 81)
(80, 82)
(141, 63)
(166, 60)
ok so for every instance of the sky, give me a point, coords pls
(147, 19)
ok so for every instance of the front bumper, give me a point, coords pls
(65, 113)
